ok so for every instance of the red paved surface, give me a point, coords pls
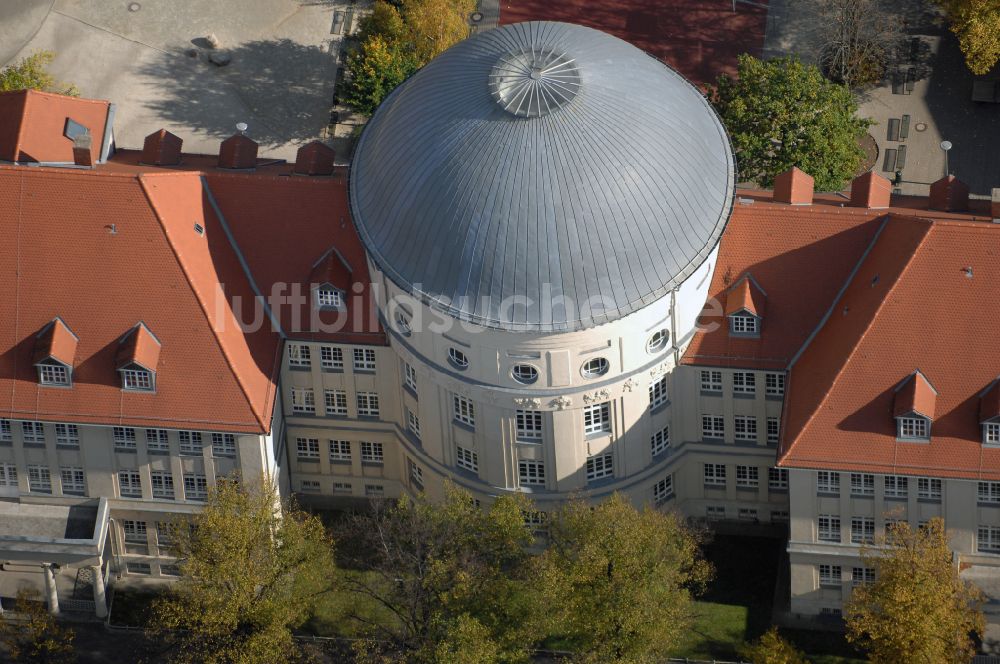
(699, 38)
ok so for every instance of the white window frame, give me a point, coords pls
(828, 528)
(8, 475)
(597, 419)
(525, 374)
(830, 575)
(658, 393)
(744, 382)
(660, 441)
(745, 428)
(663, 489)
(862, 530)
(329, 298)
(747, 514)
(777, 479)
(223, 444)
(595, 367)
(774, 384)
(410, 376)
(600, 466)
(713, 427)
(331, 358)
(74, 480)
(862, 484)
(303, 401)
(307, 448)
(715, 474)
(340, 450)
(747, 477)
(162, 482)
(531, 472)
(368, 405)
(773, 429)
(715, 512)
(743, 324)
(458, 359)
(988, 492)
(988, 539)
(335, 402)
(896, 486)
(195, 487)
(33, 433)
(413, 423)
(463, 410)
(299, 355)
(528, 425)
(929, 488)
(67, 435)
(39, 479)
(364, 360)
(913, 428)
(157, 440)
(129, 484)
(828, 482)
(6, 432)
(139, 380)
(191, 443)
(862, 576)
(711, 380)
(53, 374)
(467, 459)
(135, 532)
(991, 433)
(125, 439)
(372, 452)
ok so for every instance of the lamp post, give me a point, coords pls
(946, 145)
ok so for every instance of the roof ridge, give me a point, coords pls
(860, 338)
(201, 305)
(44, 93)
(20, 127)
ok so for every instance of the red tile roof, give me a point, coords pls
(32, 125)
(921, 297)
(56, 341)
(138, 346)
(915, 396)
(794, 187)
(747, 296)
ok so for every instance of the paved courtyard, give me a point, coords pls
(150, 57)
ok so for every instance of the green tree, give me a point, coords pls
(451, 576)
(384, 21)
(976, 23)
(35, 636)
(375, 70)
(433, 26)
(619, 582)
(31, 73)
(918, 609)
(783, 113)
(772, 649)
(251, 570)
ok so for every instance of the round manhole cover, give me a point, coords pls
(920, 126)
(134, 6)
(476, 17)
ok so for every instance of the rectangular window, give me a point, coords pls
(827, 482)
(715, 474)
(309, 486)
(862, 576)
(331, 358)
(367, 404)
(190, 442)
(829, 575)
(828, 528)
(464, 410)
(124, 439)
(743, 324)
(747, 514)
(5, 432)
(529, 425)
(929, 488)
(597, 418)
(33, 433)
(660, 441)
(745, 427)
(307, 448)
(133, 567)
(67, 435)
(342, 487)
(772, 430)
(658, 393)
(531, 472)
(416, 474)
(712, 426)
(991, 433)
(303, 400)
(536, 520)
(862, 484)
(73, 481)
(779, 516)
(774, 384)
(364, 359)
(134, 531)
(372, 453)
(163, 484)
(410, 376)
(129, 484)
(599, 467)
(466, 459)
(39, 480)
(223, 444)
(53, 374)
(335, 402)
(711, 381)
(777, 479)
(328, 298)
(374, 490)
(896, 486)
(195, 487)
(157, 440)
(989, 492)
(137, 379)
(663, 489)
(744, 382)
(747, 477)
(715, 512)
(340, 450)
(988, 539)
(862, 530)
(912, 428)
(299, 355)
(8, 475)
(413, 423)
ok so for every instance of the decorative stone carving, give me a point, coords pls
(528, 403)
(658, 371)
(562, 402)
(628, 385)
(600, 395)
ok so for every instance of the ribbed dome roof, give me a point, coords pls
(542, 176)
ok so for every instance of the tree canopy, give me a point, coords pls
(918, 609)
(251, 570)
(618, 582)
(31, 73)
(976, 23)
(783, 113)
(36, 636)
(772, 649)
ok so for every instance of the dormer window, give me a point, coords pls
(137, 379)
(138, 356)
(53, 374)
(744, 325)
(55, 349)
(913, 428)
(328, 297)
(913, 407)
(745, 303)
(991, 433)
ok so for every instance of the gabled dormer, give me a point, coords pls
(55, 349)
(989, 413)
(913, 408)
(745, 302)
(137, 358)
(330, 281)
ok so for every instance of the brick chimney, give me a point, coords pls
(314, 158)
(949, 194)
(870, 191)
(161, 148)
(794, 187)
(238, 151)
(82, 156)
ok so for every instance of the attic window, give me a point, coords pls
(329, 298)
(137, 379)
(913, 428)
(743, 324)
(53, 374)
(991, 433)
(74, 129)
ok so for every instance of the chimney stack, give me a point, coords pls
(238, 151)
(949, 194)
(82, 156)
(314, 158)
(161, 148)
(870, 191)
(794, 187)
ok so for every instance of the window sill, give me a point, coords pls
(899, 498)
(462, 425)
(653, 410)
(191, 454)
(339, 416)
(775, 489)
(307, 413)
(364, 371)
(774, 397)
(341, 462)
(828, 541)
(863, 496)
(746, 442)
(333, 370)
(744, 395)
(40, 446)
(368, 417)
(299, 367)
(158, 452)
(74, 493)
(373, 464)
(163, 497)
(307, 459)
(65, 446)
(720, 487)
(664, 499)
(126, 450)
(709, 439)
(929, 501)
(599, 482)
(711, 393)
(828, 494)
(746, 488)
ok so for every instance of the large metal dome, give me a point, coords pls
(542, 176)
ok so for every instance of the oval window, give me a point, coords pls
(595, 367)
(402, 322)
(524, 374)
(458, 358)
(657, 342)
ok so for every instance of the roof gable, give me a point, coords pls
(35, 126)
(57, 342)
(140, 347)
(746, 296)
(915, 396)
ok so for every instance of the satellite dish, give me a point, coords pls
(945, 145)
(242, 127)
